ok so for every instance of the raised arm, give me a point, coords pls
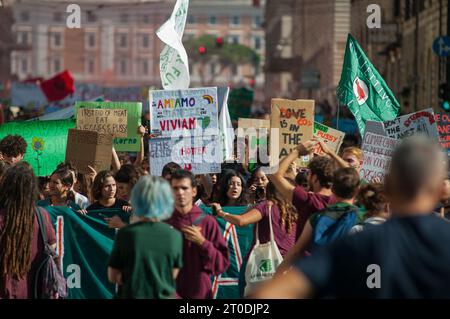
(115, 161)
(140, 154)
(281, 183)
(333, 155)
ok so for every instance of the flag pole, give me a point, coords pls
(337, 122)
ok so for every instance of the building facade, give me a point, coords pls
(117, 43)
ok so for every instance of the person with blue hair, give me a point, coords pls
(147, 254)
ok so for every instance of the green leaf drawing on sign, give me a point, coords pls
(205, 122)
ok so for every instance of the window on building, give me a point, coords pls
(57, 16)
(91, 40)
(124, 18)
(257, 43)
(408, 9)
(146, 18)
(212, 68)
(145, 41)
(91, 17)
(212, 20)
(24, 65)
(57, 39)
(24, 16)
(191, 19)
(123, 40)
(123, 67)
(233, 39)
(235, 20)
(90, 66)
(22, 37)
(56, 65)
(145, 67)
(257, 21)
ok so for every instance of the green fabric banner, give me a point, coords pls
(239, 240)
(85, 244)
(132, 143)
(46, 142)
(363, 89)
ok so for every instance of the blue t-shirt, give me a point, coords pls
(412, 253)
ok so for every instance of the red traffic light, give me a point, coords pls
(202, 50)
(219, 42)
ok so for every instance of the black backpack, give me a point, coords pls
(49, 281)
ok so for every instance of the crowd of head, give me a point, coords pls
(311, 211)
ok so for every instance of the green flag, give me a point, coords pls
(46, 142)
(363, 89)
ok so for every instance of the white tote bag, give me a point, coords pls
(263, 260)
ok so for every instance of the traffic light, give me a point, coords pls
(202, 50)
(444, 96)
(219, 42)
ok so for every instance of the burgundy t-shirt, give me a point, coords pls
(308, 203)
(21, 289)
(284, 240)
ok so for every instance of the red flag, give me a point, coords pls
(59, 86)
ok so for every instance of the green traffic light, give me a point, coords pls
(446, 105)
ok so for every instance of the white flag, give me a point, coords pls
(225, 125)
(173, 60)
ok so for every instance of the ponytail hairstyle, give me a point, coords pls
(288, 214)
(374, 199)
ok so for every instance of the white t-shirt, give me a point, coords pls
(81, 200)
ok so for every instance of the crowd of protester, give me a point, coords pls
(327, 223)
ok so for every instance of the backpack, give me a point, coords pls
(334, 222)
(49, 281)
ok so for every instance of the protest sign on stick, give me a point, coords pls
(375, 165)
(295, 119)
(89, 148)
(331, 137)
(181, 111)
(103, 121)
(378, 144)
(132, 142)
(256, 131)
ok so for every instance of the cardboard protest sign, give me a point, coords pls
(378, 144)
(103, 121)
(131, 143)
(375, 165)
(200, 155)
(256, 131)
(443, 126)
(295, 120)
(46, 142)
(421, 122)
(331, 137)
(180, 111)
(89, 148)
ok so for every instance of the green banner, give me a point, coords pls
(46, 142)
(239, 240)
(363, 89)
(85, 244)
(132, 143)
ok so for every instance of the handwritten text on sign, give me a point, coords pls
(331, 137)
(421, 122)
(201, 155)
(103, 121)
(443, 126)
(378, 144)
(192, 110)
(375, 165)
(295, 119)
